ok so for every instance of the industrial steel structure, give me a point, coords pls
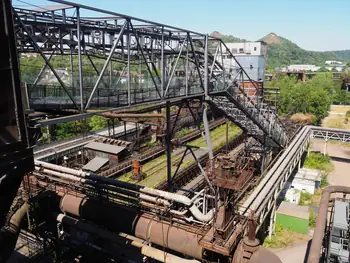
(149, 47)
(214, 220)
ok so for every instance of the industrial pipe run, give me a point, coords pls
(143, 215)
(317, 239)
(144, 193)
(123, 239)
(133, 223)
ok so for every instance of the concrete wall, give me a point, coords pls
(253, 65)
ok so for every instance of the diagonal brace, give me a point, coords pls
(106, 64)
(144, 58)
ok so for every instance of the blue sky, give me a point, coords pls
(312, 24)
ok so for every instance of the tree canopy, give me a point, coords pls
(313, 96)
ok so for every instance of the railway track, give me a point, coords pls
(155, 151)
(192, 171)
(188, 173)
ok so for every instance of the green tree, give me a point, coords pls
(97, 123)
(322, 69)
(313, 96)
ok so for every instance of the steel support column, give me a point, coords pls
(162, 65)
(71, 69)
(186, 70)
(81, 90)
(168, 146)
(128, 67)
(206, 66)
(272, 220)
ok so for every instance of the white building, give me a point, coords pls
(248, 48)
(333, 64)
(307, 180)
(250, 55)
(303, 68)
(293, 195)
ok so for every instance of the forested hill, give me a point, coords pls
(283, 52)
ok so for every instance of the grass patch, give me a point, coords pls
(218, 136)
(283, 237)
(184, 131)
(318, 161)
(149, 144)
(155, 170)
(337, 123)
(305, 198)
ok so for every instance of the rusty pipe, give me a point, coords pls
(321, 220)
(133, 223)
(8, 237)
(146, 250)
(168, 236)
(78, 176)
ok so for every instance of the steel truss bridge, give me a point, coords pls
(170, 65)
(175, 64)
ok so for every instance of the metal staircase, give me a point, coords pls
(250, 113)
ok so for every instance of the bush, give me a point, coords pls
(347, 114)
(324, 181)
(318, 161)
(312, 218)
(305, 198)
(282, 237)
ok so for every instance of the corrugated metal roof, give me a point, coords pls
(295, 210)
(95, 164)
(341, 213)
(309, 174)
(103, 147)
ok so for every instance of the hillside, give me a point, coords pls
(283, 52)
(227, 38)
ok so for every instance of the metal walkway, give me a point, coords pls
(159, 63)
(263, 199)
(49, 152)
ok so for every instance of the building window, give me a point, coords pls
(254, 48)
(241, 50)
(234, 51)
